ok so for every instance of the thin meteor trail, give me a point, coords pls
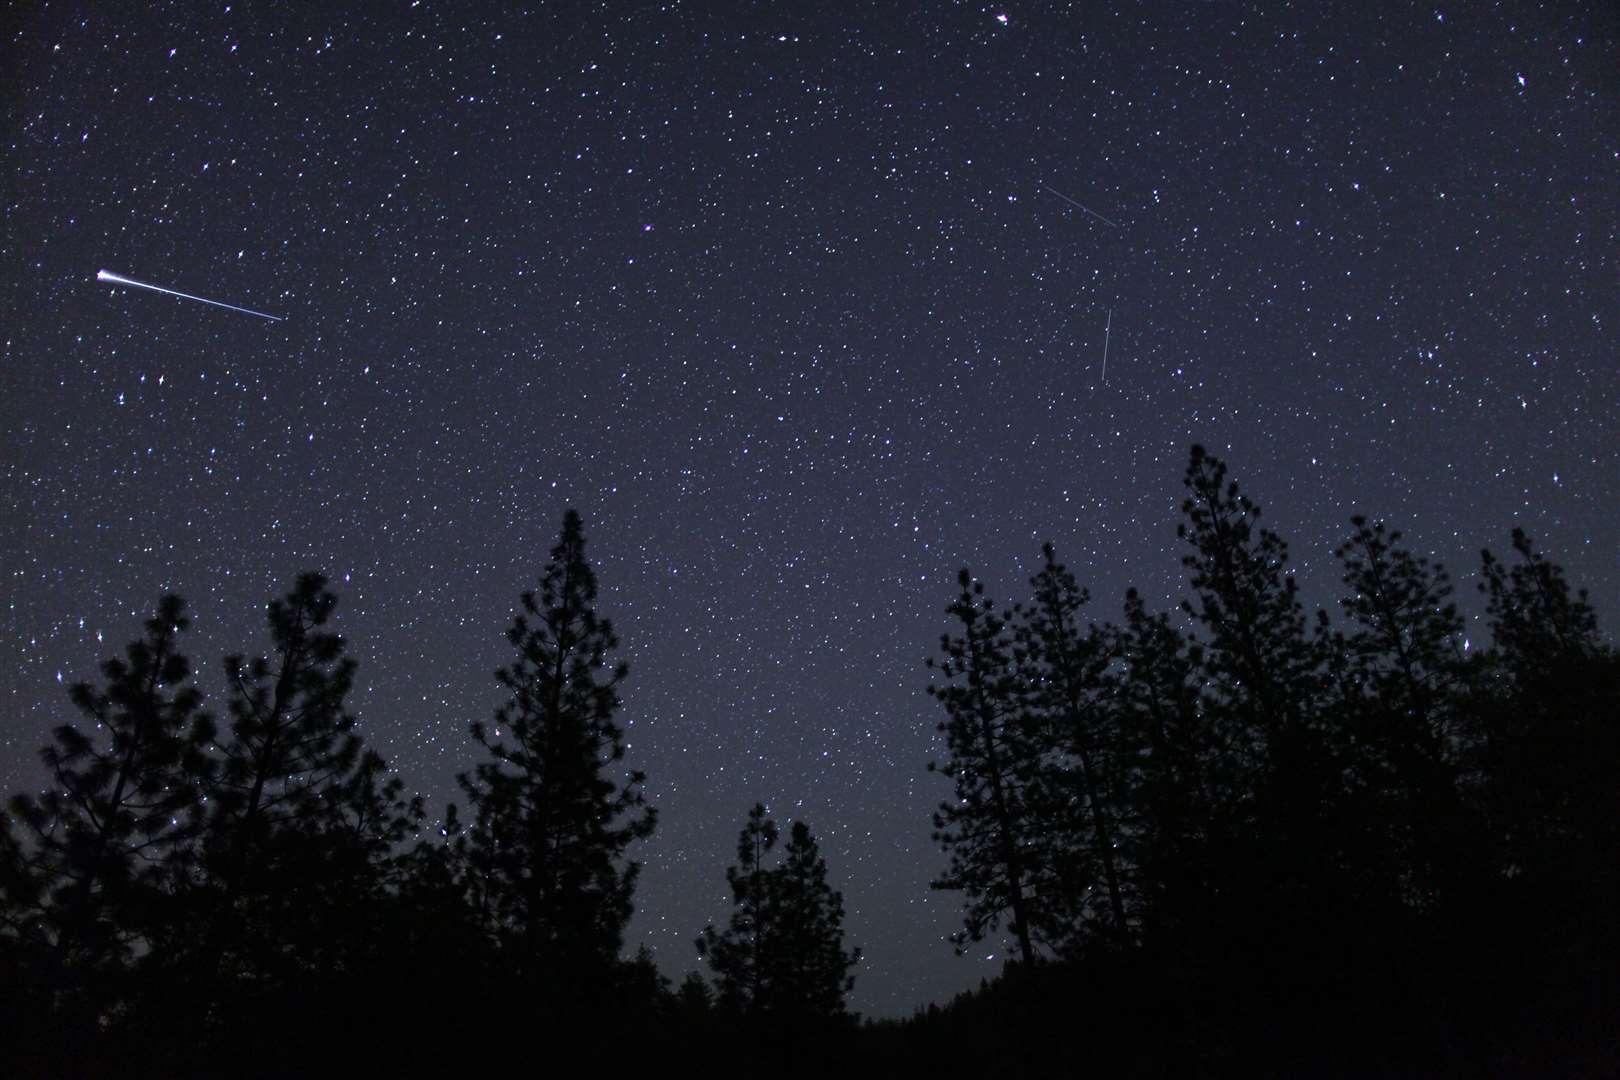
(1081, 206)
(1107, 327)
(116, 279)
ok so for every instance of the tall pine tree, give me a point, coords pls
(551, 823)
(1173, 771)
(1004, 859)
(1546, 743)
(122, 803)
(88, 888)
(291, 752)
(1287, 888)
(810, 918)
(296, 854)
(740, 954)
(1063, 664)
(1405, 656)
(782, 954)
(1260, 660)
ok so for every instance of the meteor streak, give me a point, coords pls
(116, 279)
(1107, 327)
(1080, 205)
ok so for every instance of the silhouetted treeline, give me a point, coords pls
(254, 895)
(1233, 838)
(1243, 837)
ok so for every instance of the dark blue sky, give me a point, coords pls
(781, 298)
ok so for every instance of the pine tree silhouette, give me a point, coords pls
(1063, 667)
(1546, 739)
(1248, 603)
(291, 749)
(1535, 622)
(740, 956)
(782, 955)
(89, 888)
(1173, 774)
(1286, 880)
(992, 829)
(1405, 657)
(121, 804)
(294, 862)
(551, 824)
(810, 920)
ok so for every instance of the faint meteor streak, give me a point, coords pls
(117, 279)
(1080, 205)
(1107, 327)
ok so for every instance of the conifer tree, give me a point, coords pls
(993, 830)
(1546, 739)
(20, 889)
(694, 1001)
(810, 920)
(349, 855)
(1536, 625)
(1174, 772)
(298, 850)
(368, 816)
(740, 956)
(439, 924)
(1283, 800)
(292, 745)
(1263, 670)
(782, 954)
(1405, 657)
(21, 944)
(1407, 635)
(1260, 660)
(1063, 666)
(121, 806)
(551, 824)
(1545, 684)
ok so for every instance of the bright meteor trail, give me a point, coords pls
(116, 279)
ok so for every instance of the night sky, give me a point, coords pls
(803, 307)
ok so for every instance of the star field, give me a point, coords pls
(803, 308)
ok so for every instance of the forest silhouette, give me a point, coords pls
(1232, 838)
